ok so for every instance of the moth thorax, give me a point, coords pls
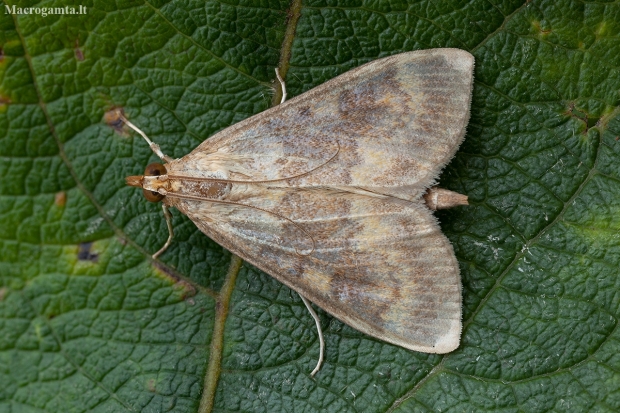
(205, 189)
(151, 186)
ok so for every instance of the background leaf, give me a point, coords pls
(88, 322)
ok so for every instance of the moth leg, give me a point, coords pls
(170, 233)
(318, 327)
(283, 85)
(154, 147)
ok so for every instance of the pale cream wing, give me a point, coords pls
(394, 123)
(379, 265)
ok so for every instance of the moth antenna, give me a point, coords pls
(319, 330)
(282, 84)
(154, 147)
(168, 218)
(219, 201)
(235, 181)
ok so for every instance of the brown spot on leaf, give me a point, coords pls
(79, 54)
(186, 289)
(166, 271)
(60, 199)
(539, 27)
(3, 292)
(583, 116)
(113, 118)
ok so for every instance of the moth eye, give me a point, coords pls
(155, 169)
(152, 196)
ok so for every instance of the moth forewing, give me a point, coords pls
(343, 168)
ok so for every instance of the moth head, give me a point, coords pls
(154, 169)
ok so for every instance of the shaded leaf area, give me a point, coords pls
(89, 323)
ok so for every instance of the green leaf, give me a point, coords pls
(89, 322)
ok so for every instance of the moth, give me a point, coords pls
(329, 193)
